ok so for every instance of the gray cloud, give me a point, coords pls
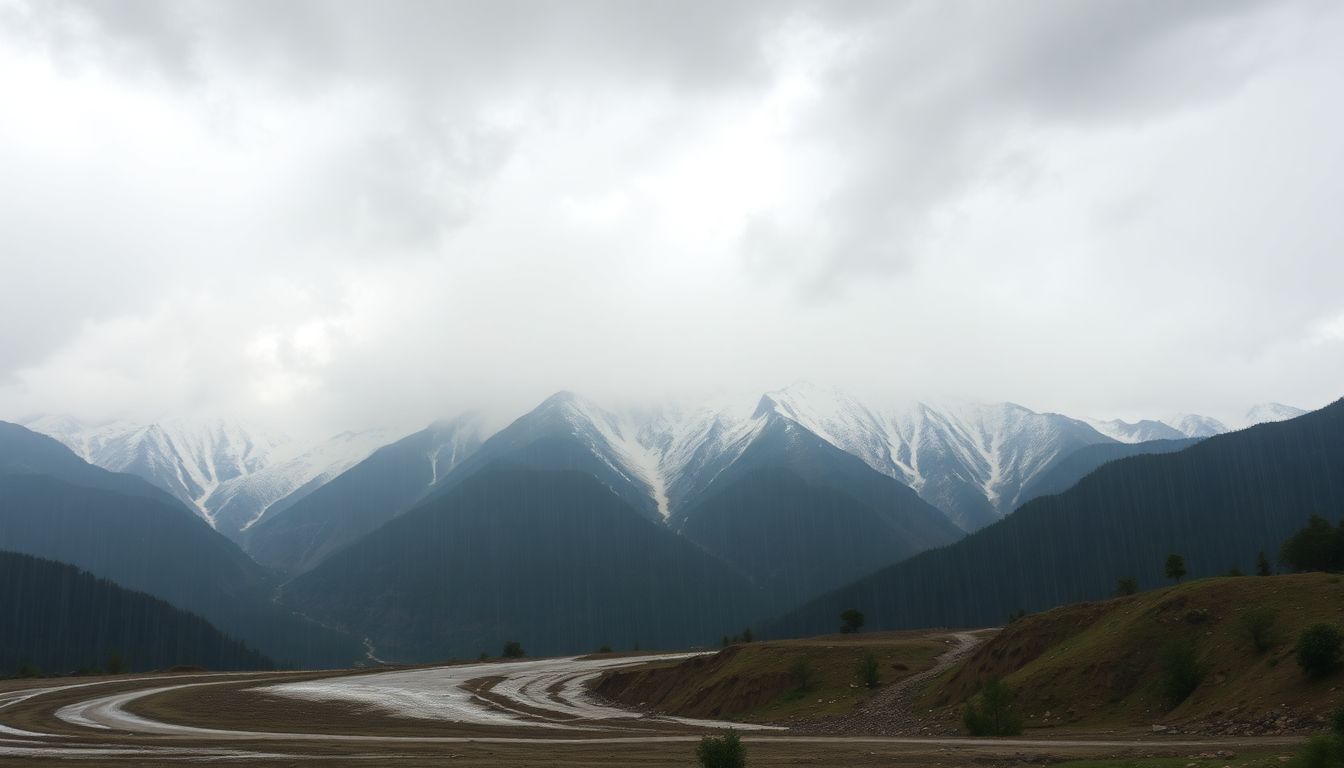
(345, 211)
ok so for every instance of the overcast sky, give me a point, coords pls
(330, 215)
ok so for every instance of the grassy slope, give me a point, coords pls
(752, 683)
(1096, 664)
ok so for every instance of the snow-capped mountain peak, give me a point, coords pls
(1136, 432)
(971, 460)
(1195, 425)
(1267, 412)
(226, 470)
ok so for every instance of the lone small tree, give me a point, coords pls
(1126, 586)
(721, 751)
(1319, 650)
(513, 650)
(116, 664)
(851, 621)
(1175, 568)
(1262, 567)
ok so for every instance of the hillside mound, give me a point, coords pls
(761, 682)
(1100, 665)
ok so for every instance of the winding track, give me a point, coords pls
(548, 696)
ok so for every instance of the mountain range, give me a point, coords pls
(1218, 503)
(971, 461)
(424, 547)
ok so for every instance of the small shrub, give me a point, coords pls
(993, 716)
(721, 751)
(868, 671)
(1337, 721)
(604, 649)
(1257, 624)
(1319, 650)
(116, 665)
(1181, 671)
(1262, 567)
(800, 674)
(513, 650)
(1126, 586)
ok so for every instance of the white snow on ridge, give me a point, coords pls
(228, 472)
(273, 483)
(656, 448)
(1265, 413)
(949, 452)
(970, 460)
(1137, 432)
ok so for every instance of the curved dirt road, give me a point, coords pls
(542, 702)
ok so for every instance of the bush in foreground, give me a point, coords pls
(1319, 650)
(993, 716)
(1323, 751)
(721, 751)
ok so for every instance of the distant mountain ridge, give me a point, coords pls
(973, 462)
(229, 472)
